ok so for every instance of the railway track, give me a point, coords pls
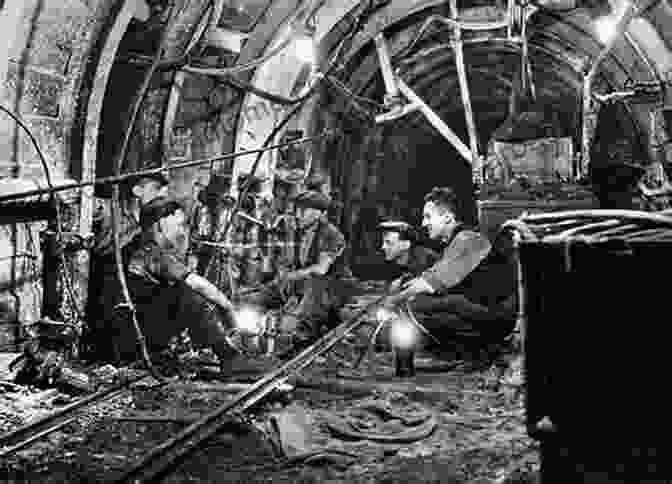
(164, 457)
(22, 437)
(167, 455)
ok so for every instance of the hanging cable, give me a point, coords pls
(140, 96)
(274, 98)
(226, 74)
(227, 71)
(67, 279)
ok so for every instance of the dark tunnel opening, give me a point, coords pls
(411, 156)
(140, 40)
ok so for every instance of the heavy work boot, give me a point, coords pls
(238, 366)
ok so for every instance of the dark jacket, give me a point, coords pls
(411, 264)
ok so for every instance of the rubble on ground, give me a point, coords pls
(479, 434)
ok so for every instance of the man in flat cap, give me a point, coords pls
(471, 289)
(103, 281)
(142, 189)
(208, 218)
(406, 258)
(310, 289)
(168, 296)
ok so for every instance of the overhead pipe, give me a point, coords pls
(121, 178)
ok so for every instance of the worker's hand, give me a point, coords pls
(226, 311)
(286, 282)
(395, 285)
(294, 276)
(416, 286)
(192, 262)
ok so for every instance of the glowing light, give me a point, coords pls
(403, 334)
(605, 28)
(304, 49)
(249, 320)
(384, 314)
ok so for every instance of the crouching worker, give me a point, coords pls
(311, 291)
(471, 289)
(404, 256)
(168, 297)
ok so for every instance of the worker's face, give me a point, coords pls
(148, 190)
(393, 246)
(101, 210)
(174, 227)
(307, 216)
(439, 222)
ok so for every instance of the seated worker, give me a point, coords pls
(168, 297)
(143, 189)
(209, 214)
(310, 289)
(103, 281)
(471, 288)
(406, 258)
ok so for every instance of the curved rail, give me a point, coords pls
(167, 454)
(32, 431)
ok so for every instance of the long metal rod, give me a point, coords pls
(391, 88)
(464, 92)
(24, 443)
(436, 121)
(165, 455)
(120, 178)
(25, 432)
(116, 205)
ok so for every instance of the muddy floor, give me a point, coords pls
(476, 406)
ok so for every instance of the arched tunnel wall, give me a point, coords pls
(56, 71)
(562, 46)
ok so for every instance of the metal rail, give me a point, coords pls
(32, 431)
(163, 457)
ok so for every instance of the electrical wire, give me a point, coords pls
(274, 98)
(116, 210)
(67, 279)
(227, 71)
(338, 84)
(227, 74)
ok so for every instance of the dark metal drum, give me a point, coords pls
(593, 311)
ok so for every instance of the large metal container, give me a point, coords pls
(493, 213)
(596, 348)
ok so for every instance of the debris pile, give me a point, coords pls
(47, 357)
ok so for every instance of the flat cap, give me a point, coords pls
(394, 226)
(157, 209)
(312, 199)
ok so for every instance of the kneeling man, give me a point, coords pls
(167, 295)
(405, 257)
(471, 288)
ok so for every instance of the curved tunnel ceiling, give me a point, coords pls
(561, 46)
